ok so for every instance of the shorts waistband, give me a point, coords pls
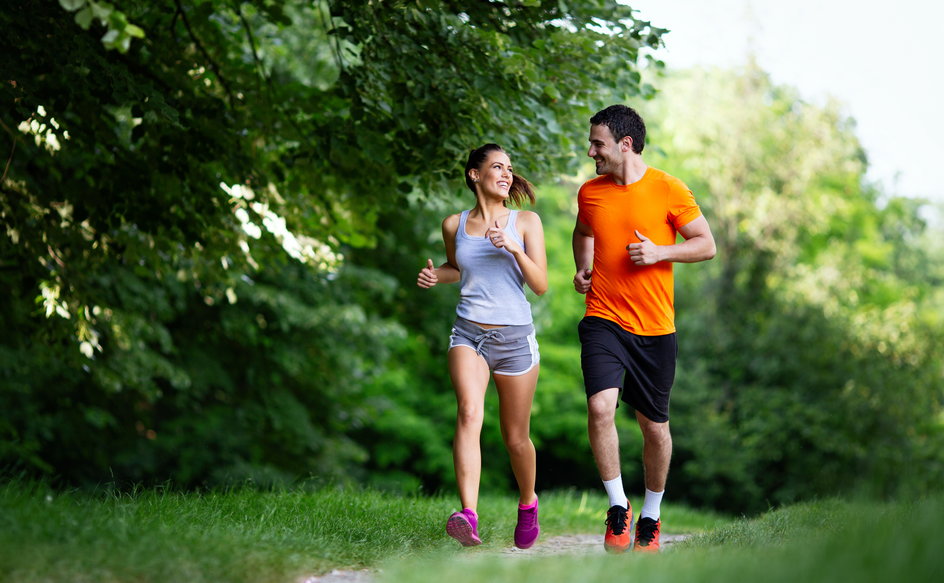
(506, 332)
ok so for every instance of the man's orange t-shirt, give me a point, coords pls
(638, 298)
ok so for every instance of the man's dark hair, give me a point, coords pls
(623, 121)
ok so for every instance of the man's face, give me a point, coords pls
(604, 150)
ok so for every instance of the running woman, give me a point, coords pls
(492, 251)
(624, 248)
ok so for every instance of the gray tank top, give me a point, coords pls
(491, 286)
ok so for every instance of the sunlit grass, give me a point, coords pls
(246, 535)
(238, 535)
(256, 536)
(824, 541)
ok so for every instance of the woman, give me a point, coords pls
(492, 251)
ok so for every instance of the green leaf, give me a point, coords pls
(124, 43)
(135, 31)
(109, 38)
(102, 10)
(84, 18)
(72, 5)
(552, 92)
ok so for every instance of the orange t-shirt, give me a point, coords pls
(638, 298)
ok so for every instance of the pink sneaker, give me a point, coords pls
(464, 527)
(527, 529)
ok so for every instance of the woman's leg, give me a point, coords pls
(515, 395)
(469, 374)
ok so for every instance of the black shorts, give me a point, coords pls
(642, 366)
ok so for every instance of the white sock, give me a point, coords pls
(651, 505)
(614, 489)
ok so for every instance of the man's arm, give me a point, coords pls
(699, 245)
(583, 256)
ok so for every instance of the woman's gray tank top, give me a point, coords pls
(491, 286)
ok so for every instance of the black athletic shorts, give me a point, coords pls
(642, 366)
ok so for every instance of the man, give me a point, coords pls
(624, 247)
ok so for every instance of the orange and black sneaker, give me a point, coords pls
(617, 539)
(647, 535)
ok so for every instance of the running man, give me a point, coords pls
(624, 248)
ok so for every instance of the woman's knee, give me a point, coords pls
(470, 415)
(518, 444)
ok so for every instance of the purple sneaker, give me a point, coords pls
(527, 529)
(464, 527)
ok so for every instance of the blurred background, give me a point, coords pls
(214, 214)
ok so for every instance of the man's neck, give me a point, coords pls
(631, 172)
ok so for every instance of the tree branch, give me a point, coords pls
(336, 45)
(252, 47)
(216, 68)
(12, 150)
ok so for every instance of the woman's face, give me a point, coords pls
(494, 175)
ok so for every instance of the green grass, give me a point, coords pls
(246, 535)
(252, 536)
(237, 535)
(826, 541)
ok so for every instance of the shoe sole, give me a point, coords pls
(459, 528)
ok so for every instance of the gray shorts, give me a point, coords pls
(509, 350)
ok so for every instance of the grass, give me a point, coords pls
(237, 535)
(251, 536)
(824, 541)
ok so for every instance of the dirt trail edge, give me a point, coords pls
(575, 544)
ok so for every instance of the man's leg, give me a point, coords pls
(601, 426)
(656, 452)
(604, 442)
(656, 455)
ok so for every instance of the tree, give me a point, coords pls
(812, 364)
(186, 178)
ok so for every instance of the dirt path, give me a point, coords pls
(577, 544)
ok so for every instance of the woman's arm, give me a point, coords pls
(448, 272)
(533, 262)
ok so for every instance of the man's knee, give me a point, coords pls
(656, 433)
(601, 409)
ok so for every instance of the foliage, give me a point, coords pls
(810, 347)
(811, 352)
(214, 213)
(185, 180)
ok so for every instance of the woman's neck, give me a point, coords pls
(489, 211)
